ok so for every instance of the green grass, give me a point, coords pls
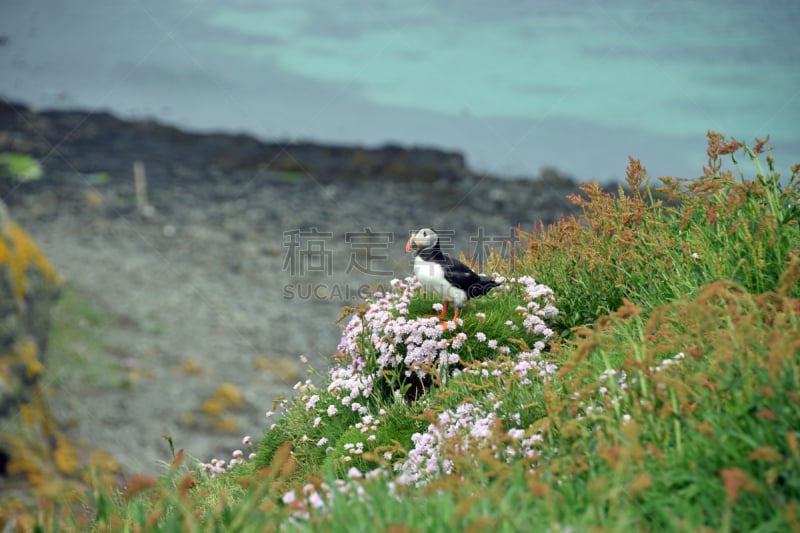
(77, 353)
(634, 246)
(292, 176)
(666, 398)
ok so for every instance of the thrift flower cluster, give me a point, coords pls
(319, 497)
(464, 430)
(384, 337)
(220, 466)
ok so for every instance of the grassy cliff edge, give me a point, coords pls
(637, 369)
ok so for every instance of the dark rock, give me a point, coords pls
(89, 143)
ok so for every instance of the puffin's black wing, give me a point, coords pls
(458, 274)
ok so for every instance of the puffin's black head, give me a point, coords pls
(424, 238)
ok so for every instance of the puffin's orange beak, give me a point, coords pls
(411, 245)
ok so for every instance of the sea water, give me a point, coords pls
(517, 86)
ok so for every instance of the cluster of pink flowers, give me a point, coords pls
(462, 431)
(668, 362)
(538, 306)
(319, 497)
(220, 466)
(526, 365)
(310, 497)
(384, 337)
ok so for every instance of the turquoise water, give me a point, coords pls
(517, 86)
(674, 69)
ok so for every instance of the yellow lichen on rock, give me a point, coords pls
(24, 353)
(213, 407)
(37, 453)
(19, 252)
(66, 457)
(48, 459)
(230, 395)
(227, 397)
(27, 353)
(226, 424)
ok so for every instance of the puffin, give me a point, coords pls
(449, 278)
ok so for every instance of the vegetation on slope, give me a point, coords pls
(637, 370)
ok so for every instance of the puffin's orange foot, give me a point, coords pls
(442, 314)
(454, 320)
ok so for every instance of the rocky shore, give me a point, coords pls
(238, 259)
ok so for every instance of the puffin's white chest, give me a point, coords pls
(431, 275)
